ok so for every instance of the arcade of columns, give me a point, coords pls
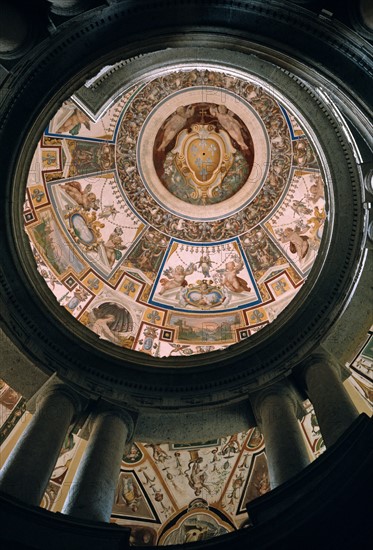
(277, 409)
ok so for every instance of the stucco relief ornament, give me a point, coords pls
(204, 157)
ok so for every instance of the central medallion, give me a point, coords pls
(203, 157)
(198, 154)
(203, 153)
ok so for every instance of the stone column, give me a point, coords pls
(277, 410)
(333, 406)
(71, 7)
(15, 32)
(366, 13)
(92, 492)
(26, 473)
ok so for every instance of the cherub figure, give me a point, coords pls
(298, 243)
(230, 124)
(230, 279)
(84, 198)
(205, 263)
(175, 124)
(114, 245)
(175, 277)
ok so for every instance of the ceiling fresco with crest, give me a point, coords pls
(181, 218)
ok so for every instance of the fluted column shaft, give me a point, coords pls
(91, 495)
(276, 411)
(333, 406)
(26, 473)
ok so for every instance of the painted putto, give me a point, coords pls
(181, 218)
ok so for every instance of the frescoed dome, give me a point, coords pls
(185, 274)
(182, 217)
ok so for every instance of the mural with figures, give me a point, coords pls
(182, 218)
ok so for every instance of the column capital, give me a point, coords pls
(319, 356)
(60, 388)
(53, 387)
(283, 390)
(319, 359)
(129, 418)
(70, 8)
(17, 30)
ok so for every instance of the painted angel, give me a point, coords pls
(176, 278)
(229, 123)
(84, 197)
(176, 123)
(205, 264)
(114, 245)
(230, 278)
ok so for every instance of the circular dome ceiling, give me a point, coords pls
(182, 216)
